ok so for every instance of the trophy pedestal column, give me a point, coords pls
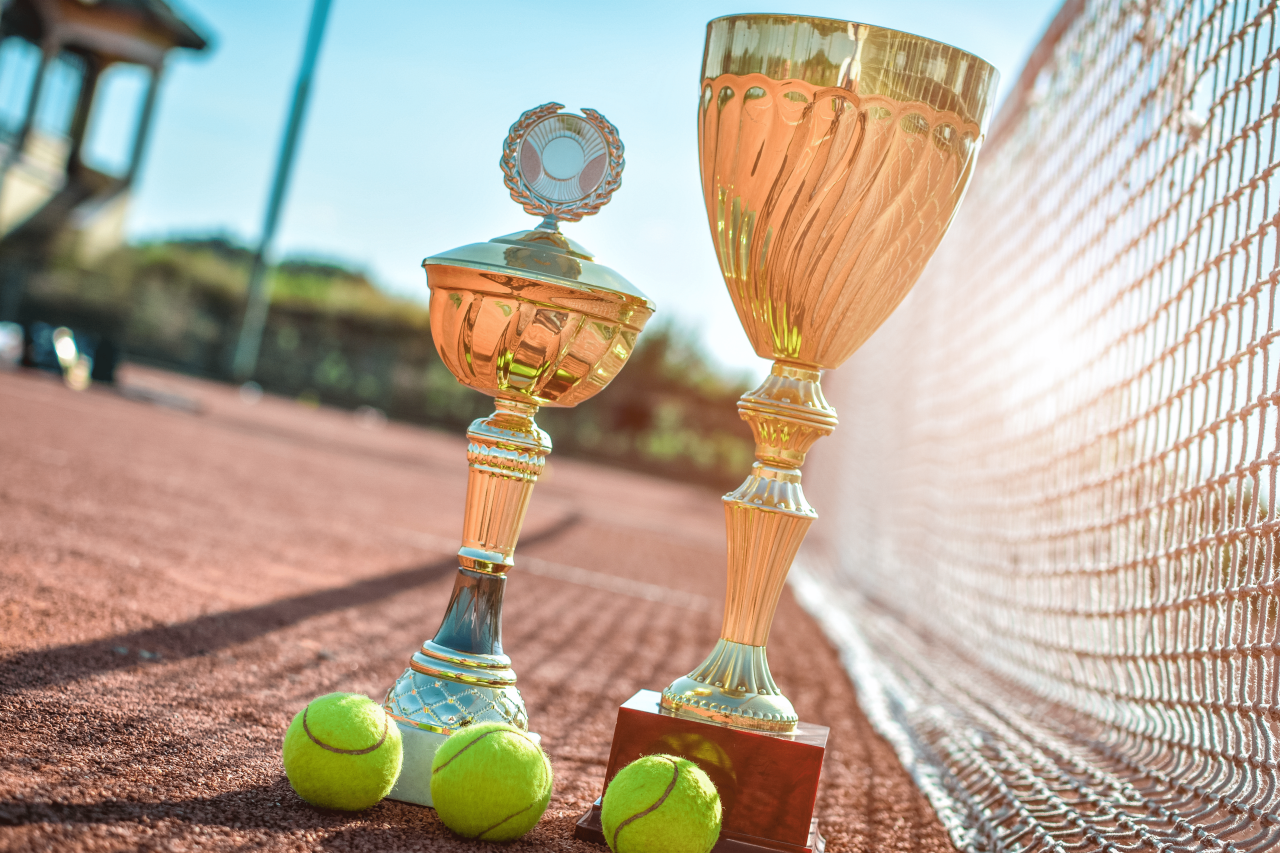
(461, 677)
(766, 519)
(768, 783)
(728, 716)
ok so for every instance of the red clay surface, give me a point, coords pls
(174, 586)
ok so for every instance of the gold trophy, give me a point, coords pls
(531, 320)
(833, 156)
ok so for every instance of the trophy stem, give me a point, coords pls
(766, 519)
(461, 676)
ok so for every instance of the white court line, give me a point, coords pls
(580, 576)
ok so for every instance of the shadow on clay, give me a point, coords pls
(273, 806)
(206, 634)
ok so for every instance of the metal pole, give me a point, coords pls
(143, 131)
(255, 313)
(13, 271)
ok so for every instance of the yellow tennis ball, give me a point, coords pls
(661, 804)
(490, 781)
(342, 751)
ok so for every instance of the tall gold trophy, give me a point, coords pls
(531, 320)
(833, 157)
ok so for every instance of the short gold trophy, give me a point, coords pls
(833, 157)
(531, 320)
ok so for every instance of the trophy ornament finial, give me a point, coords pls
(562, 166)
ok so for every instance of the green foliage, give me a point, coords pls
(669, 410)
(671, 355)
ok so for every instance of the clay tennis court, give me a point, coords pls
(178, 577)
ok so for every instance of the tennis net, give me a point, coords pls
(1048, 538)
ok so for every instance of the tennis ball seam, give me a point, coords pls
(385, 728)
(515, 814)
(511, 816)
(675, 777)
(477, 740)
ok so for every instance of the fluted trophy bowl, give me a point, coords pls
(833, 157)
(531, 317)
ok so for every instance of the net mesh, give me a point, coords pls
(1048, 534)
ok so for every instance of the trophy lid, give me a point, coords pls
(547, 256)
(560, 166)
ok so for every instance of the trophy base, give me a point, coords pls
(768, 783)
(414, 784)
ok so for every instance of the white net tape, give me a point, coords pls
(1048, 534)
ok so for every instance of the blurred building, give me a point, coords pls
(78, 83)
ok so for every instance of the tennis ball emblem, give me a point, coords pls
(661, 804)
(342, 752)
(490, 781)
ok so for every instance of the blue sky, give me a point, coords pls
(399, 157)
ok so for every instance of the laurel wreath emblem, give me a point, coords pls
(536, 204)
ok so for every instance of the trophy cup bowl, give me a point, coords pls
(833, 157)
(507, 323)
(531, 320)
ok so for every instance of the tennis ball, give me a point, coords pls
(342, 751)
(490, 781)
(661, 804)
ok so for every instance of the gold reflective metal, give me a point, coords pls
(531, 320)
(540, 323)
(833, 156)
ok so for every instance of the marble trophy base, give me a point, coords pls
(414, 784)
(768, 783)
(420, 745)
